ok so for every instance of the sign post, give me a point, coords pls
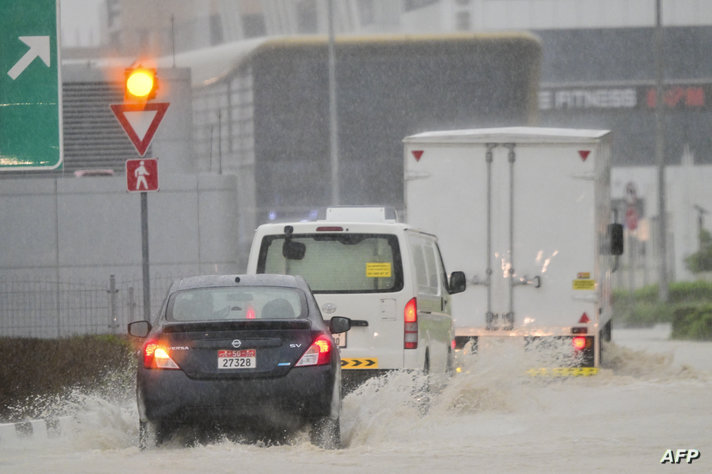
(30, 86)
(140, 122)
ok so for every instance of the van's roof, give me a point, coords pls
(326, 226)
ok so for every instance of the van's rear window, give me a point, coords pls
(336, 262)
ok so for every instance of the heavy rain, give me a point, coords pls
(268, 111)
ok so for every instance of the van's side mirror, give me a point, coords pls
(339, 324)
(292, 250)
(458, 282)
(615, 239)
(139, 328)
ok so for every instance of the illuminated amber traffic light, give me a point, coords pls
(140, 83)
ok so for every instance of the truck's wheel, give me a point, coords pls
(606, 331)
(603, 335)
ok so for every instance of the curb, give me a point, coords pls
(35, 429)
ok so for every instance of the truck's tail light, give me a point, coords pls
(410, 327)
(579, 343)
(157, 356)
(319, 353)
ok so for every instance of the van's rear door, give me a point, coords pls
(354, 271)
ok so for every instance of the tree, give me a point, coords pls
(701, 261)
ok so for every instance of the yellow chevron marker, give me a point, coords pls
(368, 363)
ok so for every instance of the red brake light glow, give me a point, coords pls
(319, 353)
(157, 356)
(579, 343)
(328, 228)
(410, 327)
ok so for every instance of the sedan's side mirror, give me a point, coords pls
(458, 282)
(339, 324)
(139, 328)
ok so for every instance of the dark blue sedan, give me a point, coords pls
(235, 350)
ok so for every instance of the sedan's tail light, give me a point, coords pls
(319, 353)
(157, 356)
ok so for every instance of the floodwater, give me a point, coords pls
(652, 396)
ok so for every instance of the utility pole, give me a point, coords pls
(660, 154)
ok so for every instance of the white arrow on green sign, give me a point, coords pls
(30, 86)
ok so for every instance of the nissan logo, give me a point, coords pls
(329, 308)
(236, 343)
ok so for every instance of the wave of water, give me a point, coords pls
(490, 414)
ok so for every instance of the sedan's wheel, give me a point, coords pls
(326, 433)
(145, 438)
(150, 434)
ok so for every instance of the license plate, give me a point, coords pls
(242, 359)
(340, 339)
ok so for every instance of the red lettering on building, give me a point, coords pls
(689, 97)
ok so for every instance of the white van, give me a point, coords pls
(388, 278)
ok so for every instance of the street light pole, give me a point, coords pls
(333, 118)
(660, 154)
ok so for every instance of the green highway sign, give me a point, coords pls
(30, 86)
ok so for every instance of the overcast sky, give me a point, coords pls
(79, 22)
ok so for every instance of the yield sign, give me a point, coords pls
(140, 122)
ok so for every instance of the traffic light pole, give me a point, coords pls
(144, 256)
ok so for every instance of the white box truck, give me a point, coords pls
(526, 213)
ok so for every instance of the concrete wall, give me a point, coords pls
(89, 228)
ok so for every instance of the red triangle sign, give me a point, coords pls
(584, 154)
(584, 318)
(417, 154)
(140, 122)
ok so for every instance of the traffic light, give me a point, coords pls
(140, 83)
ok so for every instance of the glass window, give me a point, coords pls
(230, 303)
(428, 267)
(338, 263)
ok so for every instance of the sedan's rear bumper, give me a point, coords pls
(169, 395)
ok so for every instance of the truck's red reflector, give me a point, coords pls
(579, 343)
(410, 327)
(327, 228)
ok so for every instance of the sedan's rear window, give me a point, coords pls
(336, 262)
(236, 303)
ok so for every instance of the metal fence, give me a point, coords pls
(52, 309)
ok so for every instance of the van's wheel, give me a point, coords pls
(450, 367)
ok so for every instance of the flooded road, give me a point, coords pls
(652, 396)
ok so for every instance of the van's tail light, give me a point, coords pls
(410, 328)
(157, 356)
(319, 353)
